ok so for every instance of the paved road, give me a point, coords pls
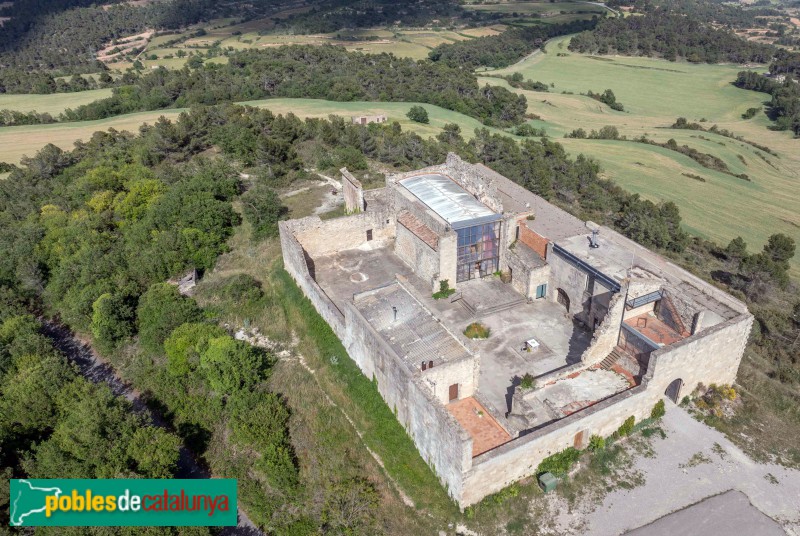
(673, 482)
(93, 368)
(722, 515)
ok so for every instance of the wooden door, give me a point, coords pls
(454, 392)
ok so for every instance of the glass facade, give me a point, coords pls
(478, 251)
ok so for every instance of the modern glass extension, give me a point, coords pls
(478, 251)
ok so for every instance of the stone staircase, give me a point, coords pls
(611, 359)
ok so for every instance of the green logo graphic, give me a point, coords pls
(122, 502)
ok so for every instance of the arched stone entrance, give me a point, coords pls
(673, 391)
(562, 298)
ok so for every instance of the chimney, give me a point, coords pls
(593, 240)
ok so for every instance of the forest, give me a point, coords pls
(784, 108)
(503, 49)
(673, 36)
(322, 72)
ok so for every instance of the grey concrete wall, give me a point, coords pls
(294, 262)
(442, 442)
(418, 255)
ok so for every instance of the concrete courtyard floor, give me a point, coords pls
(672, 483)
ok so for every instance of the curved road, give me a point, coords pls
(95, 369)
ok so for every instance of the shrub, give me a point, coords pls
(476, 330)
(596, 443)
(658, 410)
(527, 381)
(418, 114)
(559, 463)
(627, 427)
(444, 290)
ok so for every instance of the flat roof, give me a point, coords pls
(415, 335)
(449, 200)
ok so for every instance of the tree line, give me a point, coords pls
(784, 107)
(322, 72)
(673, 36)
(503, 49)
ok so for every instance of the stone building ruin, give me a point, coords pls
(604, 326)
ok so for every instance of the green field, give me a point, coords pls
(26, 140)
(654, 93)
(53, 104)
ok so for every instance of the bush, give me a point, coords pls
(559, 463)
(161, 310)
(476, 330)
(418, 114)
(444, 290)
(627, 427)
(658, 410)
(596, 443)
(527, 381)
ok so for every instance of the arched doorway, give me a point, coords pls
(562, 298)
(673, 391)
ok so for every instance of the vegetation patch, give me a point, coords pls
(476, 330)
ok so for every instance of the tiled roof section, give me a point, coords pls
(419, 229)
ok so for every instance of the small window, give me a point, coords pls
(369, 235)
(516, 234)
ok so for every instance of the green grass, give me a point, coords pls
(26, 140)
(655, 92)
(53, 104)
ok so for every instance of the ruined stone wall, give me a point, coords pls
(520, 274)
(500, 467)
(442, 442)
(353, 193)
(572, 280)
(711, 356)
(320, 237)
(418, 255)
(294, 262)
(604, 338)
(474, 181)
(402, 199)
(533, 240)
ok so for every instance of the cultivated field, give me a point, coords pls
(654, 93)
(53, 104)
(26, 140)
(540, 8)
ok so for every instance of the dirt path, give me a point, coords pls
(92, 367)
(693, 462)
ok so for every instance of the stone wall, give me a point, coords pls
(418, 255)
(565, 276)
(500, 467)
(323, 237)
(294, 262)
(439, 438)
(402, 199)
(605, 337)
(712, 356)
(463, 372)
(353, 193)
(448, 259)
